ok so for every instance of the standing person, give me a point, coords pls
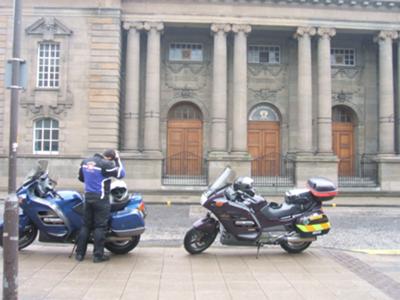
(96, 172)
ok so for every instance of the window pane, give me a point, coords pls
(46, 135)
(38, 146)
(54, 135)
(186, 52)
(48, 58)
(54, 146)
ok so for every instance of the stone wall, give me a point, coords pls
(3, 47)
(104, 82)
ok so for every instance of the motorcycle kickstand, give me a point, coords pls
(259, 245)
(73, 249)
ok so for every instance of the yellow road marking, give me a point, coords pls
(379, 251)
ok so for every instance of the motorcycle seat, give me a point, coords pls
(273, 211)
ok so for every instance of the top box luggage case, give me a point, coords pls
(323, 189)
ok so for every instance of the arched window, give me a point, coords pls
(184, 111)
(263, 113)
(46, 136)
(342, 114)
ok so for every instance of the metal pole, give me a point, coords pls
(10, 231)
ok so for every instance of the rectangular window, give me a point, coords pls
(343, 57)
(185, 52)
(46, 136)
(264, 55)
(48, 65)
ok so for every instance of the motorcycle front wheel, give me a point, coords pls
(28, 237)
(294, 248)
(197, 241)
(122, 247)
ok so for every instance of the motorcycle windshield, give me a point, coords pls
(224, 179)
(37, 171)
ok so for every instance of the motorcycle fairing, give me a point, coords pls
(206, 224)
(59, 209)
(235, 217)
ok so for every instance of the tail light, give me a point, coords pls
(142, 208)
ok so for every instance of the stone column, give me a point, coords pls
(131, 108)
(152, 99)
(324, 120)
(386, 92)
(304, 90)
(219, 92)
(239, 143)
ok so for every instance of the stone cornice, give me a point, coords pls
(385, 4)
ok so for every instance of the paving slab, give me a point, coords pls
(170, 273)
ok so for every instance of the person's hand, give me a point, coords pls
(116, 154)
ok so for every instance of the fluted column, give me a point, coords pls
(304, 89)
(219, 91)
(131, 108)
(386, 92)
(152, 99)
(324, 120)
(239, 143)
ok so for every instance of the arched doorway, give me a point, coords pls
(184, 140)
(263, 141)
(343, 122)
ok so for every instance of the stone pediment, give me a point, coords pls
(48, 28)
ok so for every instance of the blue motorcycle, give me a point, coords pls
(57, 215)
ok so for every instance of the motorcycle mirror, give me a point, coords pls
(42, 165)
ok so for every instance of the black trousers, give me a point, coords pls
(96, 215)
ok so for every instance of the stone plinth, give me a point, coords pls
(308, 166)
(217, 161)
(388, 172)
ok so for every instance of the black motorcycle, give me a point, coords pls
(244, 218)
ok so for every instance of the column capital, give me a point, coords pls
(326, 32)
(236, 28)
(217, 27)
(386, 34)
(302, 31)
(159, 26)
(133, 25)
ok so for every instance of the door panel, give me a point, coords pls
(343, 147)
(185, 147)
(264, 147)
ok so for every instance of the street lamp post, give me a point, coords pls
(10, 230)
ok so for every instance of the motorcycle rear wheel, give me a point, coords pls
(294, 248)
(122, 247)
(29, 236)
(197, 241)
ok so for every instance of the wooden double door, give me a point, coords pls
(343, 147)
(185, 147)
(263, 143)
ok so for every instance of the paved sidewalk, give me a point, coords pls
(220, 273)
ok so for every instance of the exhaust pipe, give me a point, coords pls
(298, 239)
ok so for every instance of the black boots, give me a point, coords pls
(98, 259)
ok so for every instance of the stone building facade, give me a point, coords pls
(280, 90)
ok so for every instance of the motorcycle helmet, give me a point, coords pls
(119, 191)
(244, 184)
